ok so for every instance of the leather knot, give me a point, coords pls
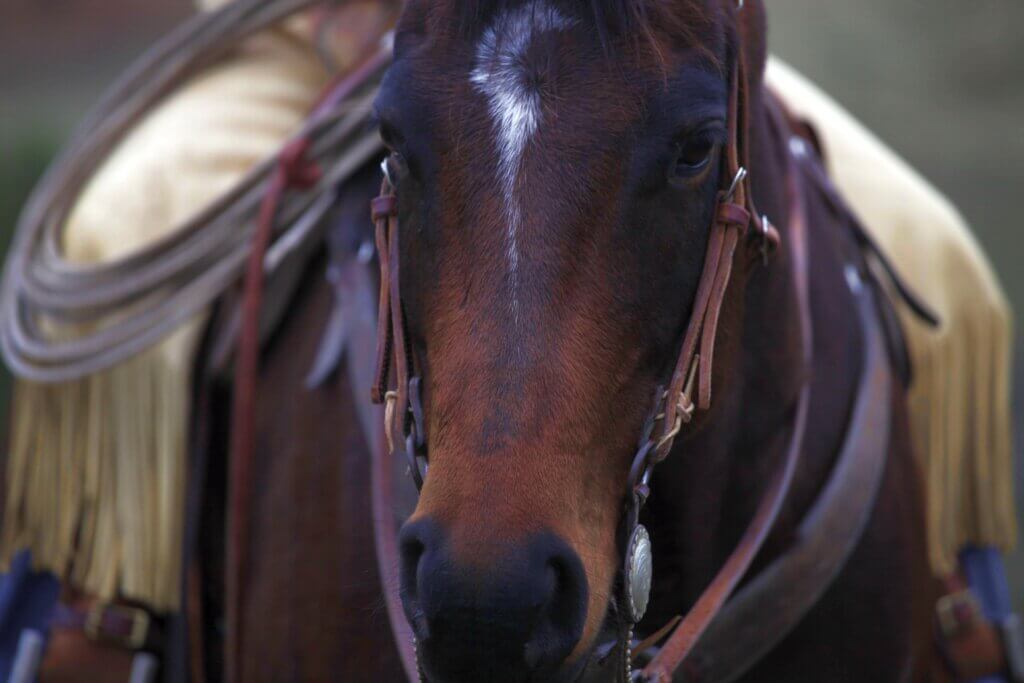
(384, 206)
(730, 214)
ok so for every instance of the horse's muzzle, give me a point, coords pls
(514, 618)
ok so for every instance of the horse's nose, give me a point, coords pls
(491, 616)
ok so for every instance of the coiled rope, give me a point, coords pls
(60, 320)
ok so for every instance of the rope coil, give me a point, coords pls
(61, 320)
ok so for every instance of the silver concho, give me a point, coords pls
(639, 567)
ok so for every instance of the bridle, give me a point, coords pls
(736, 222)
(736, 219)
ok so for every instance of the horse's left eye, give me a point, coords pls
(692, 157)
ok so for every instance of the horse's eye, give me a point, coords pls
(692, 157)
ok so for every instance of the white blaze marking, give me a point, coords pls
(502, 76)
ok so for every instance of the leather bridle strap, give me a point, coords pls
(734, 214)
(764, 611)
(392, 346)
(708, 606)
(711, 602)
(391, 343)
(403, 414)
(384, 212)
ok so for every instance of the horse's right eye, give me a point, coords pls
(692, 157)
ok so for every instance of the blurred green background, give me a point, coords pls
(941, 81)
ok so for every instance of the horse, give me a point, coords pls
(554, 167)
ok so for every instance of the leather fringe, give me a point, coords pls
(960, 424)
(96, 477)
(96, 474)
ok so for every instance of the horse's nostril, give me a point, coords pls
(517, 617)
(413, 543)
(562, 618)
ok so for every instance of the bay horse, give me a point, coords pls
(554, 169)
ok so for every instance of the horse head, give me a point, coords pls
(557, 165)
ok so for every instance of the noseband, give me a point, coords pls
(688, 389)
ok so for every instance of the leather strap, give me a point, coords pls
(778, 597)
(124, 626)
(969, 643)
(703, 614)
(392, 349)
(775, 600)
(392, 503)
(735, 216)
(293, 171)
(403, 414)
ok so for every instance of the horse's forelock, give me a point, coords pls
(636, 22)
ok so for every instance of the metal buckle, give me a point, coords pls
(416, 412)
(139, 618)
(955, 612)
(741, 174)
(764, 240)
(417, 462)
(385, 169)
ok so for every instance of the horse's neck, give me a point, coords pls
(706, 491)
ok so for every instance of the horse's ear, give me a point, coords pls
(753, 33)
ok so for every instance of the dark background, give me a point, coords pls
(940, 81)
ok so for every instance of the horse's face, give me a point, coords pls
(556, 174)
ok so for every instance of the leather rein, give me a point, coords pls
(704, 644)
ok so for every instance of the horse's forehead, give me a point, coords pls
(509, 73)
